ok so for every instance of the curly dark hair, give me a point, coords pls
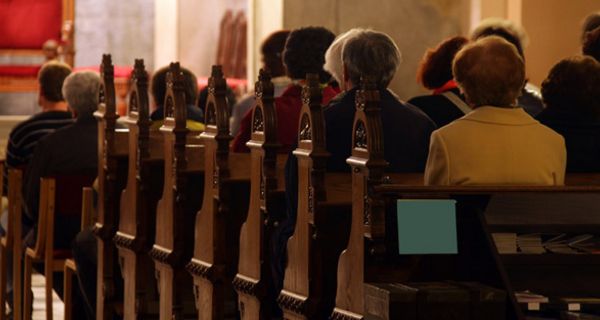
(435, 68)
(158, 86)
(573, 84)
(591, 45)
(305, 52)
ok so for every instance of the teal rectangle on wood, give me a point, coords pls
(427, 226)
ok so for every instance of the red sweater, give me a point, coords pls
(287, 107)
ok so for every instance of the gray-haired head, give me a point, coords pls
(333, 55)
(373, 54)
(80, 90)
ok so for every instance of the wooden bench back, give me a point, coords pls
(177, 207)
(145, 174)
(112, 177)
(254, 282)
(225, 204)
(321, 227)
(372, 252)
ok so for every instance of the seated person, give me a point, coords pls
(272, 52)
(446, 104)
(406, 128)
(70, 150)
(304, 53)
(24, 137)
(572, 96)
(591, 44)
(158, 88)
(530, 98)
(497, 142)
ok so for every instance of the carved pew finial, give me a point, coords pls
(263, 112)
(216, 110)
(138, 101)
(107, 108)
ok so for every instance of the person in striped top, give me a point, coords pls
(55, 114)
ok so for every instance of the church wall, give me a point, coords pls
(123, 28)
(199, 23)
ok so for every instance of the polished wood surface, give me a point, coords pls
(112, 176)
(176, 210)
(321, 227)
(254, 280)
(224, 208)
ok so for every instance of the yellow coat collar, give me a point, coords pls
(498, 115)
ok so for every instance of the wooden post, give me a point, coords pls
(368, 217)
(110, 183)
(254, 280)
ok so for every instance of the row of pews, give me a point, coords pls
(189, 225)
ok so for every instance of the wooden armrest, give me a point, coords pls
(33, 254)
(70, 264)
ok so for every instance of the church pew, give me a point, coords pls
(371, 256)
(60, 200)
(322, 221)
(12, 242)
(254, 280)
(112, 176)
(176, 210)
(224, 208)
(137, 220)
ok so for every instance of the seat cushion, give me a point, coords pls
(27, 24)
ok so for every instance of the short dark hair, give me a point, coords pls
(435, 68)
(51, 77)
(591, 45)
(305, 52)
(574, 84)
(159, 86)
(272, 52)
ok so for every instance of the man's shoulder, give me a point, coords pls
(41, 120)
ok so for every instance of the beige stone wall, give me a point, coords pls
(414, 24)
(554, 28)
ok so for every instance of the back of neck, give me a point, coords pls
(55, 106)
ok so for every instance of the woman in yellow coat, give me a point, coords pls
(498, 142)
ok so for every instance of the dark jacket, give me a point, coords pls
(406, 132)
(69, 150)
(582, 138)
(439, 108)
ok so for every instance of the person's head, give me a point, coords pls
(272, 52)
(158, 86)
(80, 90)
(435, 68)
(305, 52)
(573, 84)
(51, 77)
(333, 55)
(50, 49)
(490, 72)
(591, 45)
(505, 29)
(372, 54)
(591, 22)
